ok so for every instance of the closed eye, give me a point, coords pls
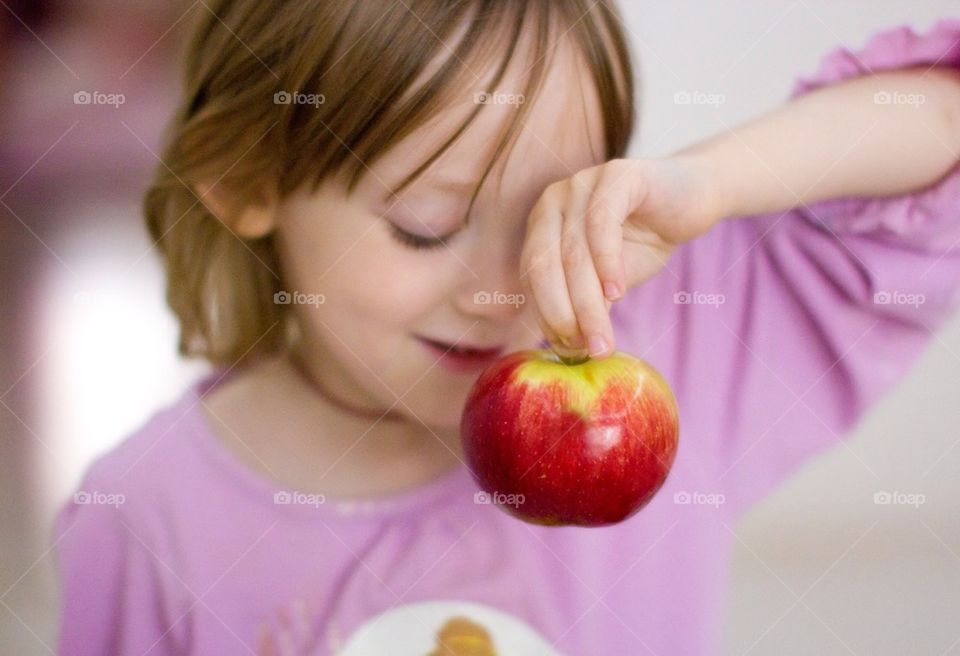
(418, 242)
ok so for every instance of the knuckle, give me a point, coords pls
(554, 190)
(535, 266)
(540, 208)
(571, 254)
(607, 260)
(566, 327)
(596, 218)
(593, 322)
(582, 178)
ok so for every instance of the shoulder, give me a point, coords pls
(140, 475)
(152, 449)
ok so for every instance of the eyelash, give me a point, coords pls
(416, 242)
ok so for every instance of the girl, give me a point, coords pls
(361, 205)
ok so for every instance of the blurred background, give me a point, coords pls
(87, 347)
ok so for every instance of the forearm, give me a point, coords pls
(839, 141)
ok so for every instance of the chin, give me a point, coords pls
(440, 410)
(446, 418)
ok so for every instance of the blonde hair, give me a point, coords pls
(362, 59)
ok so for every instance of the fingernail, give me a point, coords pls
(612, 291)
(598, 345)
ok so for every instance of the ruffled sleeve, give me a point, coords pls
(925, 218)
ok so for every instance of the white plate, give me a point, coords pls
(411, 630)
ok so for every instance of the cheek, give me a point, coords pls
(384, 285)
(362, 272)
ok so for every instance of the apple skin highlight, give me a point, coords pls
(585, 444)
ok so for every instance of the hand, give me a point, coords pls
(288, 632)
(598, 233)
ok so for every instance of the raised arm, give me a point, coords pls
(882, 134)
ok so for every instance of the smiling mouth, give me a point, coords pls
(462, 349)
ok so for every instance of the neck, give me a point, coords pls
(369, 425)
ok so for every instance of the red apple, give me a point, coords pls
(586, 443)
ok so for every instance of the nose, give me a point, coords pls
(492, 287)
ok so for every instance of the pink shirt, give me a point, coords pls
(796, 324)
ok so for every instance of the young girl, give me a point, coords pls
(362, 204)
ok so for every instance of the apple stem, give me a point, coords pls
(572, 360)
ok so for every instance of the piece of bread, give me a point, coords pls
(459, 636)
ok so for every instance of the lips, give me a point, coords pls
(460, 357)
(463, 348)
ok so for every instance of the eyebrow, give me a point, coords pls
(450, 185)
(453, 184)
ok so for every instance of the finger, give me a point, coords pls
(287, 646)
(544, 275)
(265, 644)
(608, 209)
(586, 294)
(301, 622)
(556, 344)
(284, 634)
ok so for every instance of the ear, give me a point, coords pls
(252, 221)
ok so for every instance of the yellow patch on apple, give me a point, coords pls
(585, 381)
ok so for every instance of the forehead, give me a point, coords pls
(561, 132)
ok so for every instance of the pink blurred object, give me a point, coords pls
(121, 50)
